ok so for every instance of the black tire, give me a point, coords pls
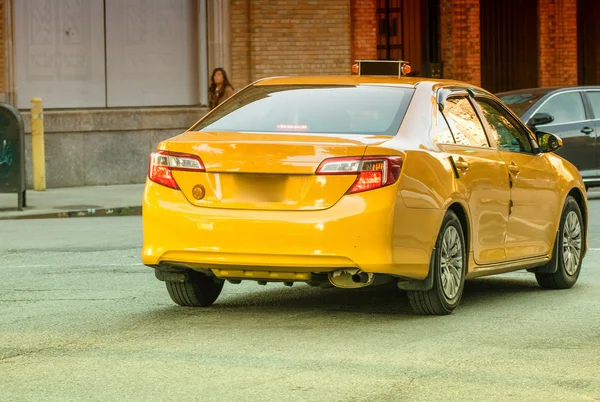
(436, 301)
(197, 290)
(562, 278)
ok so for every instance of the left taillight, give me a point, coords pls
(162, 164)
(372, 171)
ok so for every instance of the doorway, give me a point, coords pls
(509, 44)
(588, 32)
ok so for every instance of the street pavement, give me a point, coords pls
(81, 319)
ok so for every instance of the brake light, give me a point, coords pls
(162, 163)
(297, 127)
(373, 171)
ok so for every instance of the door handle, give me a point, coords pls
(461, 164)
(513, 168)
(587, 130)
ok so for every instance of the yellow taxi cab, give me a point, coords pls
(359, 180)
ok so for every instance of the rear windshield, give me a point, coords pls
(351, 109)
(521, 102)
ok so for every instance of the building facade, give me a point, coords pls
(118, 76)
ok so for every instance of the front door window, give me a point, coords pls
(505, 131)
(565, 108)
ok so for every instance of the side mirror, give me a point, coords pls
(548, 142)
(540, 118)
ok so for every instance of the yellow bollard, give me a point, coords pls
(37, 145)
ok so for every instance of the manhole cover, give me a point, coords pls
(78, 207)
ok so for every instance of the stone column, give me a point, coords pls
(203, 74)
(8, 82)
(219, 35)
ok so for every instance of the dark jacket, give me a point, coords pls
(216, 97)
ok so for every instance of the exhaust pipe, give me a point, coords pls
(360, 277)
(350, 278)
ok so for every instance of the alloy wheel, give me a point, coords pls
(451, 263)
(572, 243)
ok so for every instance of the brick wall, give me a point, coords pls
(558, 42)
(364, 30)
(461, 45)
(293, 37)
(289, 37)
(240, 43)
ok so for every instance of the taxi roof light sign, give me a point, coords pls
(394, 68)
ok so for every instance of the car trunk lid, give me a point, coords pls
(266, 171)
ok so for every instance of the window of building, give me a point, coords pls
(390, 37)
(106, 53)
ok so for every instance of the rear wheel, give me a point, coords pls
(569, 247)
(197, 290)
(448, 265)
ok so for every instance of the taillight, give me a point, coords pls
(373, 171)
(162, 163)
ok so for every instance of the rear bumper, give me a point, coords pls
(357, 232)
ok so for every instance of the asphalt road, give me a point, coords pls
(81, 319)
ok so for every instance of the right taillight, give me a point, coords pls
(372, 171)
(162, 163)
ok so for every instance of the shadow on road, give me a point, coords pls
(374, 302)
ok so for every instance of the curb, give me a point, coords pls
(92, 212)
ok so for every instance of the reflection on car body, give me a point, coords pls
(359, 180)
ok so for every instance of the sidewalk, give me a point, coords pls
(118, 200)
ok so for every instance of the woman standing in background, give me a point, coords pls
(220, 88)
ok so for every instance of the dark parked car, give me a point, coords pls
(572, 113)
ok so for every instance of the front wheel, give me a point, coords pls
(448, 265)
(197, 290)
(568, 249)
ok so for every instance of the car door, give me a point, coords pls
(575, 127)
(533, 197)
(481, 175)
(593, 97)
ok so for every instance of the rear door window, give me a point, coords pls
(594, 97)
(464, 123)
(565, 108)
(444, 134)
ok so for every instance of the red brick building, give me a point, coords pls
(499, 44)
(117, 76)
